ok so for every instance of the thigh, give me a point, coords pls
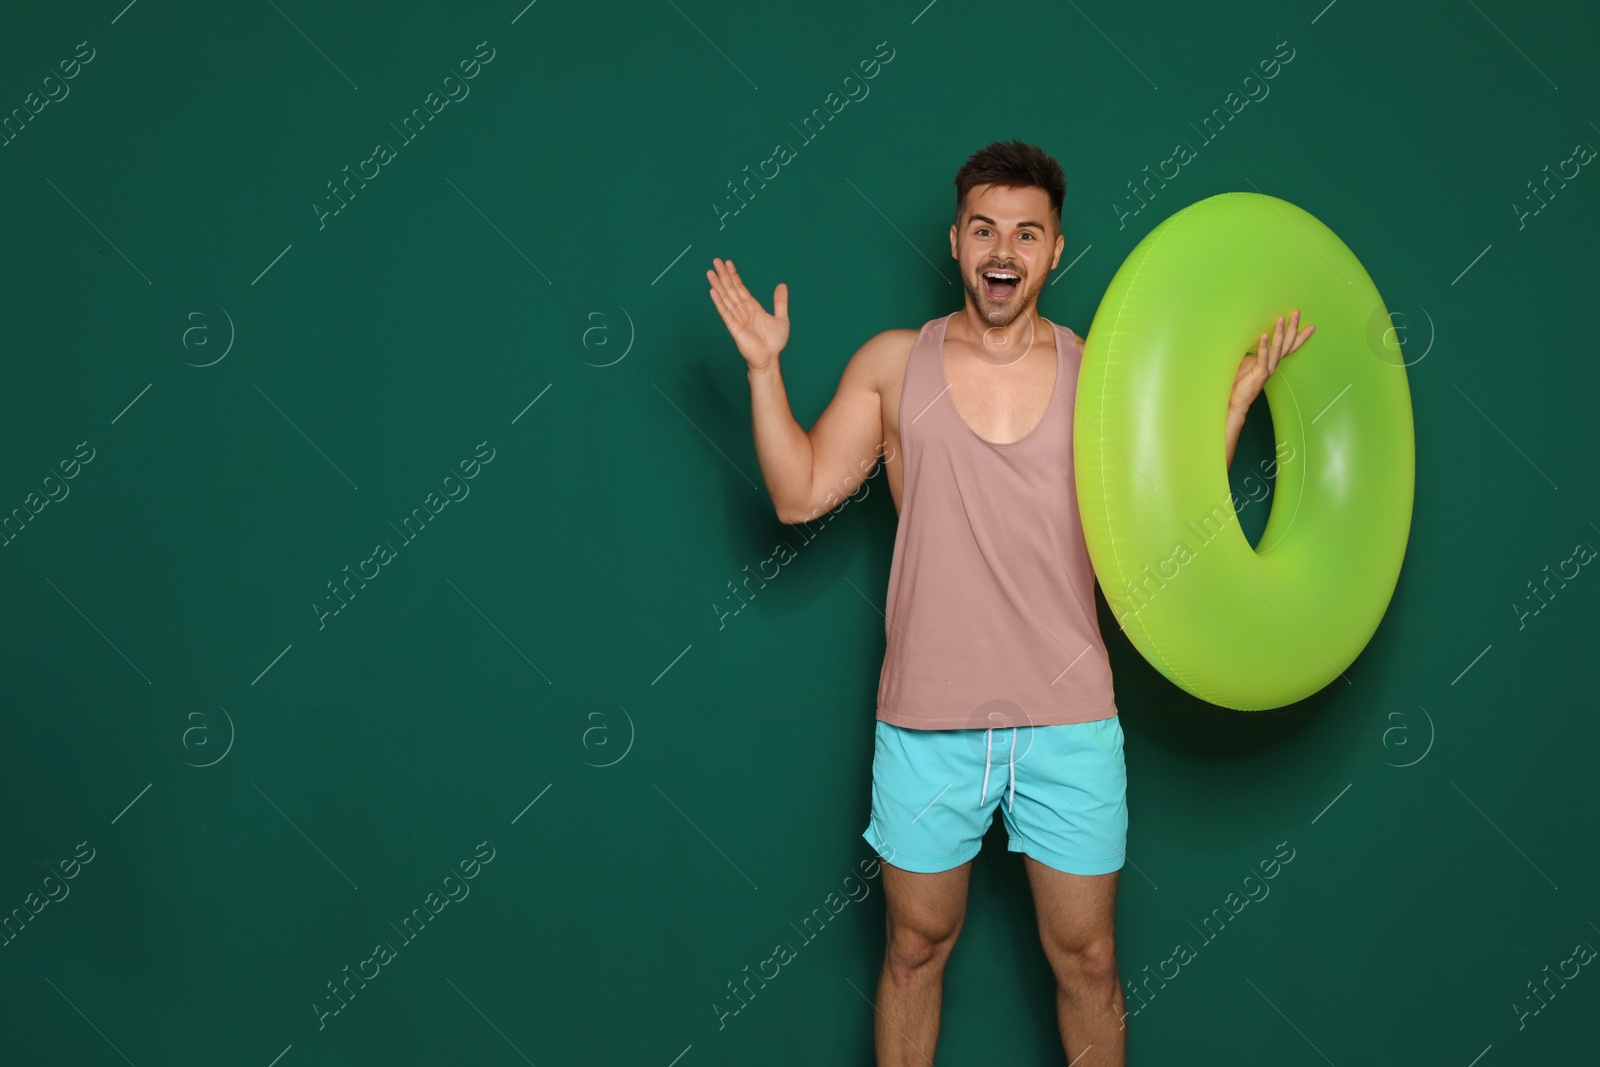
(930, 907)
(1071, 808)
(1077, 912)
(929, 806)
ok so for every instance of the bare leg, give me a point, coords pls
(1077, 916)
(925, 913)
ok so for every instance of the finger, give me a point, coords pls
(1294, 340)
(719, 280)
(738, 282)
(733, 316)
(723, 311)
(780, 301)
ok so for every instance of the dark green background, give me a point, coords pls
(526, 636)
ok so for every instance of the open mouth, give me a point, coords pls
(1000, 284)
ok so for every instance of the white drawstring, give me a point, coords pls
(1011, 767)
(988, 736)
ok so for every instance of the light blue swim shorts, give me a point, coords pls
(1062, 791)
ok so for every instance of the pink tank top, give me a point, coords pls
(991, 614)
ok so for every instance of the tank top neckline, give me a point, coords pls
(1055, 387)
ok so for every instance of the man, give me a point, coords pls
(994, 653)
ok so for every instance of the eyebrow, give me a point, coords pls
(991, 222)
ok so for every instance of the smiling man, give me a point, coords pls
(996, 688)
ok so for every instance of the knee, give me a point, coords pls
(1091, 962)
(913, 950)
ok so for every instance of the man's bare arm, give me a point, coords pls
(809, 473)
(782, 447)
(804, 472)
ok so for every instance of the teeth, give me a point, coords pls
(1001, 276)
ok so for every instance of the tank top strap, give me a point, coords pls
(924, 376)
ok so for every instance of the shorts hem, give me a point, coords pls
(1075, 865)
(917, 864)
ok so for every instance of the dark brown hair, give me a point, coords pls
(1016, 165)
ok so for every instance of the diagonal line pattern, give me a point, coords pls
(101, 632)
(102, 233)
(501, 632)
(702, 433)
(901, 632)
(1113, 44)
(1502, 833)
(713, 44)
(702, 833)
(1513, 44)
(313, 44)
(302, 833)
(1288, 1020)
(1502, 433)
(88, 1020)
(309, 441)
(897, 229)
(490, 1021)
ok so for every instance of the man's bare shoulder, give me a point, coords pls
(883, 358)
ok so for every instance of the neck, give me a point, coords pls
(1001, 344)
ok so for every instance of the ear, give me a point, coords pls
(953, 242)
(1061, 244)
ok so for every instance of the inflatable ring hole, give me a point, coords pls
(1253, 475)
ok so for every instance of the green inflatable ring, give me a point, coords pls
(1243, 628)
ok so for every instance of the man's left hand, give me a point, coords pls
(1258, 366)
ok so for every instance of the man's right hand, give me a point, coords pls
(760, 336)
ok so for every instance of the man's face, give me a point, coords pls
(1009, 231)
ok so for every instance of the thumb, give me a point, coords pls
(780, 301)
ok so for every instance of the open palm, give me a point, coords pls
(760, 336)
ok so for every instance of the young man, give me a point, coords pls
(996, 689)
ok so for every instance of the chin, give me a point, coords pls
(999, 315)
